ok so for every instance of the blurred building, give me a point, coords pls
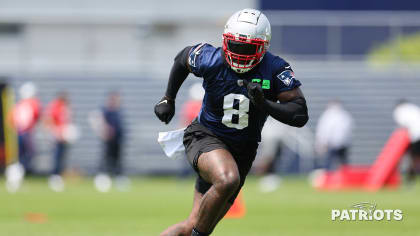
(87, 47)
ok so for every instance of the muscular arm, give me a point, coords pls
(165, 109)
(178, 74)
(291, 110)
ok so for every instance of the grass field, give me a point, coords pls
(155, 203)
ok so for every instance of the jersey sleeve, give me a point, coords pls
(284, 77)
(201, 59)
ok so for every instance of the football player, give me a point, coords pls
(244, 83)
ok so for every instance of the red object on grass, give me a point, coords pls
(38, 218)
(383, 172)
(387, 162)
(238, 209)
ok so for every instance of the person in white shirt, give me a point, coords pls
(407, 115)
(333, 134)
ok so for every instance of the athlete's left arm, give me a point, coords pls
(291, 110)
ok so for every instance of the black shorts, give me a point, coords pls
(198, 139)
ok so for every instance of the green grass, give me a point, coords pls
(155, 203)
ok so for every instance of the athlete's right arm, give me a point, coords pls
(165, 108)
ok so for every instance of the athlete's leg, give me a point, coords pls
(222, 214)
(219, 168)
(184, 228)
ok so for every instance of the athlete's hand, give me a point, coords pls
(255, 93)
(165, 109)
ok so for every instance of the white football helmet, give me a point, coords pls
(246, 38)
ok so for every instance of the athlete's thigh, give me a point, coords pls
(215, 164)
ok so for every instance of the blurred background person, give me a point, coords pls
(282, 145)
(109, 125)
(270, 155)
(58, 122)
(113, 134)
(25, 115)
(407, 115)
(333, 135)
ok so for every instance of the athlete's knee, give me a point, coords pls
(227, 182)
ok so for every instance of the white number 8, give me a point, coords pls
(235, 111)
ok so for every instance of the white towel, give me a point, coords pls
(171, 143)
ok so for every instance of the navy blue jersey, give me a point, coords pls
(227, 110)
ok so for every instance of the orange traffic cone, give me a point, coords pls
(238, 209)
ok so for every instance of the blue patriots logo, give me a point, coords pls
(286, 77)
(193, 55)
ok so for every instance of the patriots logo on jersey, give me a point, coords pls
(194, 54)
(286, 77)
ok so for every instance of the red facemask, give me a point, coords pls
(243, 53)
